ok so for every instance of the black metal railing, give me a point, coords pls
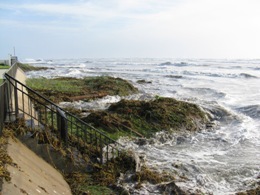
(40, 113)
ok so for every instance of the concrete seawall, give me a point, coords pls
(32, 175)
(29, 173)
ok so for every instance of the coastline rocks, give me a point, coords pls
(166, 63)
(143, 81)
(141, 141)
(171, 189)
(73, 89)
(145, 118)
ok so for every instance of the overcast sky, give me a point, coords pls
(130, 28)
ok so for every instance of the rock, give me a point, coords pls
(141, 141)
(166, 63)
(121, 190)
(145, 118)
(143, 81)
(171, 189)
(180, 140)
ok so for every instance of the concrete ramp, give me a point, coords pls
(32, 175)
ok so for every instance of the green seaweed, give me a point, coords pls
(71, 89)
(144, 118)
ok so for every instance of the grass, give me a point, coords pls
(1, 81)
(2, 66)
(59, 86)
(71, 89)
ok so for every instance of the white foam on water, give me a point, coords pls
(224, 160)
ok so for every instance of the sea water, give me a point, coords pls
(222, 160)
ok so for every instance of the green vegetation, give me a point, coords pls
(27, 67)
(97, 178)
(5, 159)
(255, 191)
(110, 85)
(127, 117)
(69, 89)
(1, 81)
(65, 85)
(3, 66)
(147, 117)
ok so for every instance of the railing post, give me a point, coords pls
(101, 151)
(62, 125)
(16, 100)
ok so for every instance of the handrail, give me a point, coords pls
(52, 103)
(40, 110)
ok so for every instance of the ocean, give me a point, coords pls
(222, 160)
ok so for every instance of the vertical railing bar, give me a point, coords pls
(77, 135)
(23, 100)
(9, 101)
(85, 135)
(107, 151)
(71, 126)
(96, 140)
(31, 109)
(82, 131)
(52, 126)
(45, 115)
(101, 151)
(16, 99)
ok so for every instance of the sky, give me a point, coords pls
(130, 28)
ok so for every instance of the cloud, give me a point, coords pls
(203, 28)
(183, 27)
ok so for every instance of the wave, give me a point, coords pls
(193, 73)
(180, 64)
(245, 75)
(252, 111)
(207, 92)
(36, 61)
(174, 76)
(99, 104)
(224, 75)
(221, 114)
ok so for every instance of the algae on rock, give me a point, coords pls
(73, 89)
(148, 117)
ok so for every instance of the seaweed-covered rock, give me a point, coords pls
(147, 117)
(73, 89)
(255, 191)
(171, 189)
(110, 85)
